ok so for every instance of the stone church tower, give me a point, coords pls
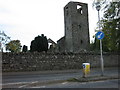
(76, 37)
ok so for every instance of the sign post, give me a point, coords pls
(100, 36)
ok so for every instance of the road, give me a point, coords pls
(11, 80)
(95, 84)
(21, 79)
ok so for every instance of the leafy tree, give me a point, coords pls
(33, 46)
(14, 46)
(94, 46)
(4, 39)
(25, 48)
(110, 25)
(45, 43)
(39, 44)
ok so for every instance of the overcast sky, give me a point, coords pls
(26, 19)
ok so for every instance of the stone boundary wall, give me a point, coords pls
(54, 61)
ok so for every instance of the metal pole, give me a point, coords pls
(101, 59)
(102, 63)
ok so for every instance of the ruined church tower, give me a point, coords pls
(76, 27)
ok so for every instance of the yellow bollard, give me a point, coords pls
(86, 69)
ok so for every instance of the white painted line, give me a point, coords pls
(83, 83)
(27, 84)
(39, 87)
(34, 82)
(42, 86)
(91, 82)
(22, 86)
(64, 82)
(20, 83)
(16, 83)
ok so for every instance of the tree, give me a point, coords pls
(14, 46)
(110, 25)
(33, 46)
(94, 46)
(39, 44)
(45, 43)
(4, 39)
(25, 48)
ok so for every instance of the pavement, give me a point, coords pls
(95, 75)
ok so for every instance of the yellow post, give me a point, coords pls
(86, 69)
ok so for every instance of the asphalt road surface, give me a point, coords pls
(95, 84)
(13, 80)
(21, 79)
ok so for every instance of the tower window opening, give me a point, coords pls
(79, 9)
(66, 10)
(81, 41)
(79, 26)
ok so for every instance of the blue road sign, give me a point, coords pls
(100, 35)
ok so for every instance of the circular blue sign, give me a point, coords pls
(100, 35)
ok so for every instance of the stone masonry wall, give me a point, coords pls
(51, 61)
